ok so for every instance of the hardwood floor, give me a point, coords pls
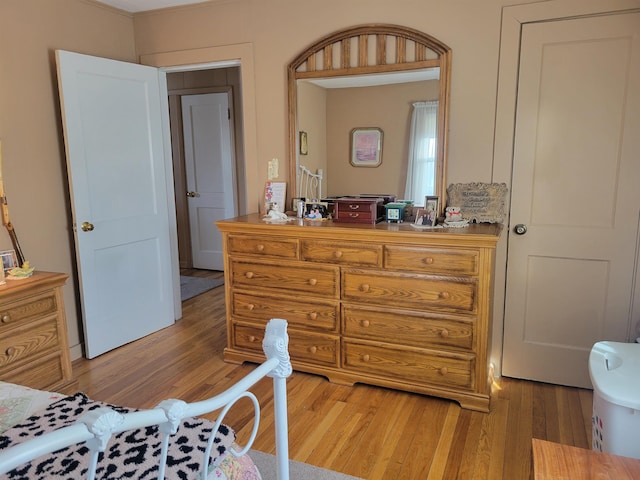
(368, 432)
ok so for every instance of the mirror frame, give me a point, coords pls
(331, 57)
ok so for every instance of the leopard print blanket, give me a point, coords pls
(130, 455)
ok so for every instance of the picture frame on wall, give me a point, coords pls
(366, 147)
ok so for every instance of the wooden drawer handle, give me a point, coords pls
(444, 295)
(313, 349)
(10, 351)
(313, 315)
(444, 333)
(428, 260)
(337, 254)
(260, 248)
(365, 357)
(354, 206)
(249, 275)
(354, 215)
(313, 281)
(5, 318)
(364, 287)
(364, 323)
(252, 338)
(443, 371)
(250, 307)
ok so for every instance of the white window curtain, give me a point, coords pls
(421, 171)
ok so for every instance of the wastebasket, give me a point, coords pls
(614, 368)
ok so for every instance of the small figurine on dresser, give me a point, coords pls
(275, 215)
(19, 273)
(454, 218)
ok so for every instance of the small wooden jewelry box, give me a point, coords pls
(359, 210)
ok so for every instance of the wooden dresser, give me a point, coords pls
(381, 304)
(34, 347)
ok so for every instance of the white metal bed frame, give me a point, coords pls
(96, 427)
(310, 184)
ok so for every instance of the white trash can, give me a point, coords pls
(614, 368)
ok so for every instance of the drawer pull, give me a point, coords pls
(444, 295)
(313, 315)
(354, 215)
(354, 206)
(364, 323)
(337, 254)
(252, 338)
(5, 318)
(443, 371)
(364, 287)
(444, 333)
(250, 307)
(313, 281)
(313, 349)
(366, 357)
(428, 260)
(10, 351)
(260, 248)
(249, 275)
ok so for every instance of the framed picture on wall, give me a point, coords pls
(366, 147)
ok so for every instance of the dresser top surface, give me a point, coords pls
(39, 280)
(487, 234)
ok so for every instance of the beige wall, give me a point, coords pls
(33, 162)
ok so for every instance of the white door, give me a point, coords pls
(120, 204)
(210, 166)
(576, 188)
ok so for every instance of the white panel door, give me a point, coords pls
(210, 167)
(576, 187)
(120, 204)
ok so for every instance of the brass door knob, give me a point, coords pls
(87, 227)
(193, 194)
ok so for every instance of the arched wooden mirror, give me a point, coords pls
(370, 77)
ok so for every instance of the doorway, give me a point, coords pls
(571, 272)
(192, 252)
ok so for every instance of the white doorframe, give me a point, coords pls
(205, 59)
(513, 17)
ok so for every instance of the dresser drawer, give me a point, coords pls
(43, 373)
(406, 327)
(451, 294)
(412, 365)
(28, 308)
(264, 246)
(303, 347)
(316, 314)
(342, 253)
(23, 343)
(290, 277)
(453, 262)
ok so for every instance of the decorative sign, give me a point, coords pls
(479, 202)
(274, 192)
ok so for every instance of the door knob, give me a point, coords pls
(87, 227)
(193, 194)
(520, 229)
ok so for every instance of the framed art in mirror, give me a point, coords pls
(366, 147)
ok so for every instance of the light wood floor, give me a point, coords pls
(369, 432)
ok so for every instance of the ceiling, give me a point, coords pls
(134, 6)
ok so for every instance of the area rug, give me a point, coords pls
(193, 286)
(266, 464)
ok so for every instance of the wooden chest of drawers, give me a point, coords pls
(382, 304)
(34, 348)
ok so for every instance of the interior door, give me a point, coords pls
(120, 204)
(576, 190)
(210, 167)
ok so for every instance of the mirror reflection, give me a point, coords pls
(382, 77)
(403, 105)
